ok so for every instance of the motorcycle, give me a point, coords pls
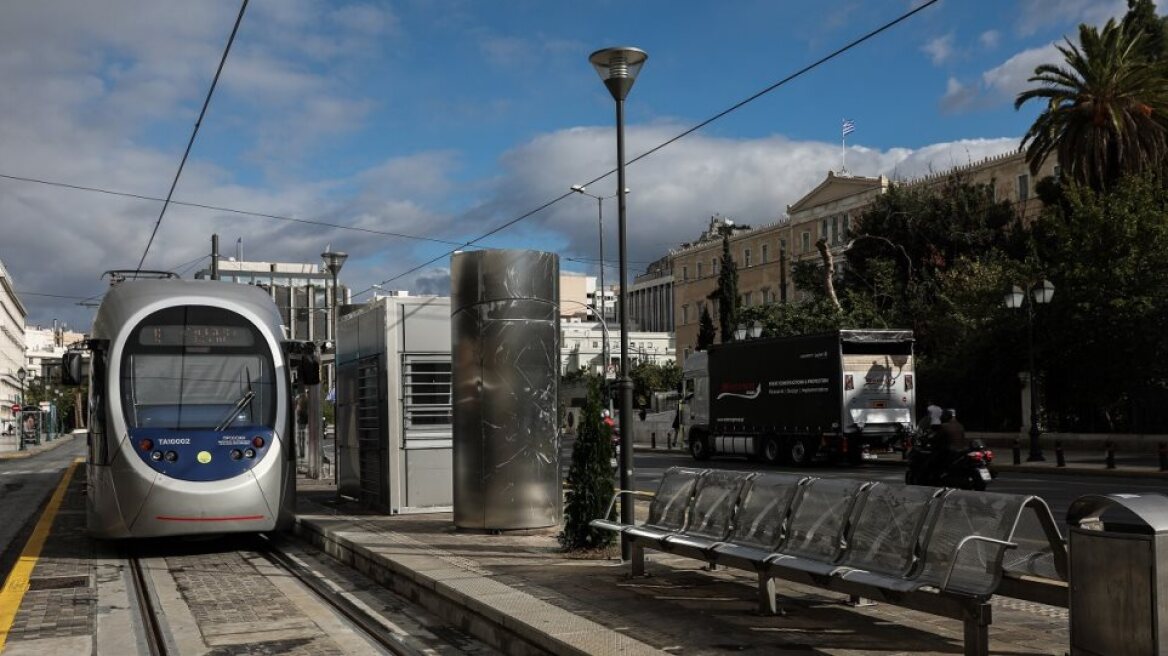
(966, 470)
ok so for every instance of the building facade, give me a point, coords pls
(581, 344)
(764, 256)
(12, 323)
(651, 298)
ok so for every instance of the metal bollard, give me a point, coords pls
(1164, 456)
(653, 440)
(1110, 446)
(1017, 452)
(1059, 456)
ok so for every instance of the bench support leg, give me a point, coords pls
(637, 560)
(977, 631)
(767, 601)
(859, 602)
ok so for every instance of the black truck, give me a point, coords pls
(796, 399)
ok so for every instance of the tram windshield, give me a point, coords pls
(197, 368)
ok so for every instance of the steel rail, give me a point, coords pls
(364, 621)
(147, 609)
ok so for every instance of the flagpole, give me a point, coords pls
(843, 152)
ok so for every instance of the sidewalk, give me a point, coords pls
(521, 594)
(9, 448)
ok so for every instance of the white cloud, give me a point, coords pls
(940, 49)
(1041, 14)
(990, 39)
(1000, 84)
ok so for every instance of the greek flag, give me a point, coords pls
(849, 127)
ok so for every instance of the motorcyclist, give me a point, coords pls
(947, 436)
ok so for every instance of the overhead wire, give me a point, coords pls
(194, 132)
(736, 106)
(229, 210)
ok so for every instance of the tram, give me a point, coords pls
(191, 424)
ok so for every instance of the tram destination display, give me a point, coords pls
(190, 335)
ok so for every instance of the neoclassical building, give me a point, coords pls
(764, 255)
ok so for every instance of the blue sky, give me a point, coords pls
(447, 118)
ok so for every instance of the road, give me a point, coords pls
(1058, 490)
(25, 486)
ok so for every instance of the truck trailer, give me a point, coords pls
(798, 399)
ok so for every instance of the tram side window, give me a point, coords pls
(98, 449)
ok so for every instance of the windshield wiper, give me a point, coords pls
(242, 403)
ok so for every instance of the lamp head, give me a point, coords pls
(1014, 297)
(1043, 292)
(334, 260)
(21, 373)
(618, 68)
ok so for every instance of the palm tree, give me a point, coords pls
(1107, 109)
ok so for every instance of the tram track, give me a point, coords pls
(146, 604)
(370, 625)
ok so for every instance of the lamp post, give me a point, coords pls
(618, 67)
(581, 189)
(333, 261)
(21, 374)
(1041, 293)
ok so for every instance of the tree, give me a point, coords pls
(706, 331)
(1106, 112)
(1101, 339)
(589, 479)
(726, 293)
(649, 377)
(1141, 18)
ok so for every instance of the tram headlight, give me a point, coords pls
(171, 456)
(156, 456)
(257, 442)
(236, 454)
(250, 453)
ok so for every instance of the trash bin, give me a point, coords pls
(1119, 575)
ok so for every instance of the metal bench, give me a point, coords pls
(935, 550)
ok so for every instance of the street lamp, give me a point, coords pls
(333, 261)
(581, 189)
(21, 374)
(1040, 293)
(618, 67)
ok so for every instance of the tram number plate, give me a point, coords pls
(985, 474)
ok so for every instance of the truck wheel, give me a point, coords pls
(802, 451)
(772, 450)
(698, 448)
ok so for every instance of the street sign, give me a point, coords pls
(610, 372)
(16, 407)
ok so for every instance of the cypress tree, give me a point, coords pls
(590, 487)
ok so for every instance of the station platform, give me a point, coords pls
(529, 596)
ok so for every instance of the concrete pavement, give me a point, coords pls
(523, 595)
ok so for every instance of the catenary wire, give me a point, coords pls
(802, 71)
(230, 210)
(194, 132)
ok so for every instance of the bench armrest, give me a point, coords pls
(961, 545)
(616, 495)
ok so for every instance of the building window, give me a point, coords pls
(823, 234)
(847, 225)
(1058, 171)
(745, 257)
(1023, 187)
(714, 266)
(684, 273)
(806, 242)
(835, 233)
(782, 247)
(684, 314)
(747, 298)
(699, 270)
(701, 309)
(764, 253)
